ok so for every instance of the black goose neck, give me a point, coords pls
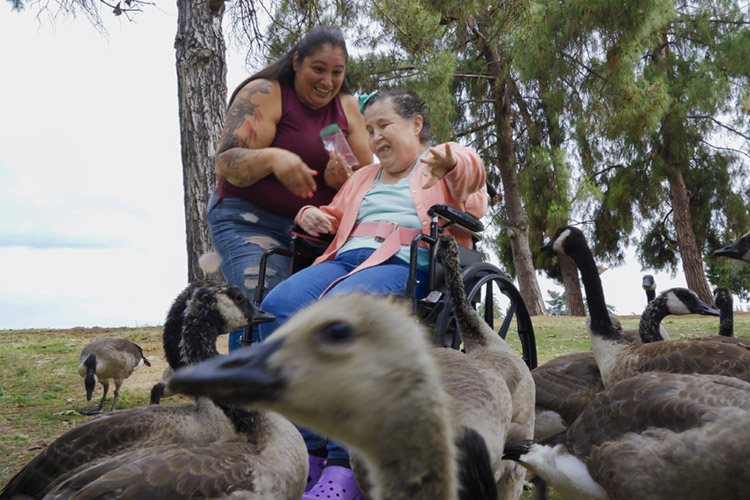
(601, 323)
(648, 327)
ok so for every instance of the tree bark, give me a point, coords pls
(518, 229)
(573, 293)
(692, 263)
(202, 92)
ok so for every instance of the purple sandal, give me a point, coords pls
(316, 467)
(337, 483)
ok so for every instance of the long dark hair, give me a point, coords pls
(407, 104)
(283, 68)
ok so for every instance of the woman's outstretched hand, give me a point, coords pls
(438, 165)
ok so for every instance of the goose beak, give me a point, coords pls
(242, 376)
(260, 316)
(548, 247)
(732, 251)
(707, 310)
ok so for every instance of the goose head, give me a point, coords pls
(90, 380)
(675, 301)
(648, 283)
(202, 312)
(739, 250)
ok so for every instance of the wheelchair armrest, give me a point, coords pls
(463, 220)
(320, 241)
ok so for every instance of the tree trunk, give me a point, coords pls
(672, 155)
(692, 264)
(572, 286)
(202, 92)
(568, 268)
(518, 228)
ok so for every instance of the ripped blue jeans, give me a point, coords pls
(241, 233)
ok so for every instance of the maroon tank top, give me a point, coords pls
(298, 131)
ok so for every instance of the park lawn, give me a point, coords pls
(40, 389)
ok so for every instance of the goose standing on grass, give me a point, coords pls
(105, 360)
(617, 359)
(186, 449)
(423, 419)
(660, 436)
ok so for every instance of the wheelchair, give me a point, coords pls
(482, 281)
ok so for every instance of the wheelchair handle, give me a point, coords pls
(462, 220)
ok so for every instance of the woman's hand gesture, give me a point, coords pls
(438, 165)
(294, 173)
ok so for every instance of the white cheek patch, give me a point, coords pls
(230, 312)
(558, 244)
(676, 306)
(250, 217)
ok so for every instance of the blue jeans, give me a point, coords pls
(304, 287)
(241, 233)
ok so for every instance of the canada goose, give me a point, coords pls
(104, 360)
(618, 360)
(361, 370)
(565, 385)
(494, 356)
(199, 314)
(739, 250)
(659, 436)
(649, 285)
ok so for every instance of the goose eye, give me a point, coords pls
(336, 333)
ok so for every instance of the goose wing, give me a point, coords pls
(687, 356)
(175, 472)
(113, 433)
(566, 384)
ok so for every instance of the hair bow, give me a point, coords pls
(363, 100)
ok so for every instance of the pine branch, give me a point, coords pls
(723, 148)
(720, 124)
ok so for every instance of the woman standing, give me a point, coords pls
(271, 160)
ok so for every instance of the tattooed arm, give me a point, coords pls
(244, 154)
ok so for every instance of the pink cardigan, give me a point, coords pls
(464, 188)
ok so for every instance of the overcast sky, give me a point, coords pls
(91, 218)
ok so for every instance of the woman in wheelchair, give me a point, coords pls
(374, 217)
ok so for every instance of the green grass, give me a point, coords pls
(40, 389)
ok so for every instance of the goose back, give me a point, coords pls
(670, 435)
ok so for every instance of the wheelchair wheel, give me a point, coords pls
(492, 293)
